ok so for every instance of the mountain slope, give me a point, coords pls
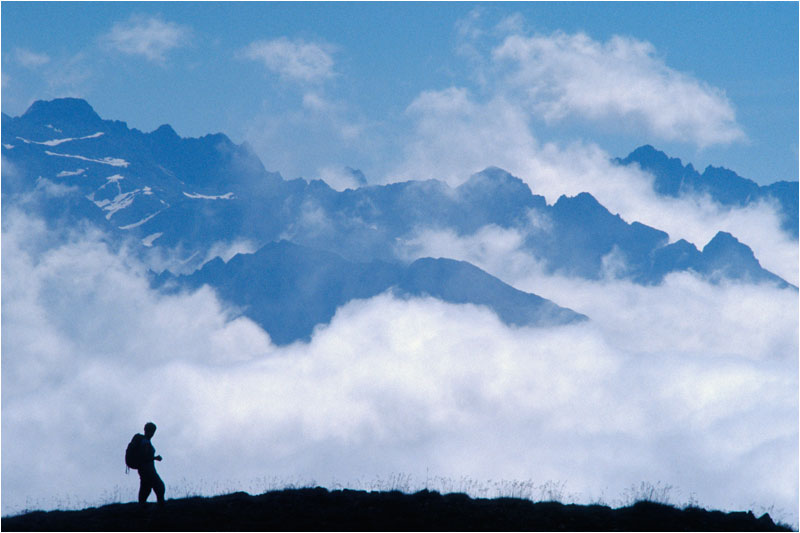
(289, 289)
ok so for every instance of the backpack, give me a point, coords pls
(134, 452)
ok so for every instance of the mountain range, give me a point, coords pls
(317, 248)
(723, 186)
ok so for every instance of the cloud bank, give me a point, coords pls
(650, 390)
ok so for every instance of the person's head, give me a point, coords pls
(149, 429)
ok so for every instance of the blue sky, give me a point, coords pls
(208, 67)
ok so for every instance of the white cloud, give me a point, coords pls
(317, 102)
(30, 59)
(455, 136)
(226, 251)
(297, 60)
(563, 75)
(69, 76)
(53, 189)
(340, 178)
(514, 24)
(306, 141)
(687, 384)
(150, 37)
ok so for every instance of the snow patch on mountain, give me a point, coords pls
(56, 142)
(143, 221)
(65, 173)
(119, 202)
(195, 196)
(113, 161)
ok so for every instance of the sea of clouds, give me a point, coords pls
(686, 384)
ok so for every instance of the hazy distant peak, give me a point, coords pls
(492, 180)
(582, 201)
(651, 158)
(357, 175)
(165, 132)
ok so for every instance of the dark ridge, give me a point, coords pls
(61, 110)
(318, 509)
(289, 289)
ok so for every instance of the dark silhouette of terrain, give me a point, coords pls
(318, 509)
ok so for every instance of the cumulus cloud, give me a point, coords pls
(149, 37)
(298, 60)
(571, 75)
(663, 389)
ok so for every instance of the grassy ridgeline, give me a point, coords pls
(318, 509)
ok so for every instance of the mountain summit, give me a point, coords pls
(67, 113)
(724, 186)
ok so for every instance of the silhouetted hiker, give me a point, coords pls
(141, 455)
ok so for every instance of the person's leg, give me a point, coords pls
(158, 487)
(144, 487)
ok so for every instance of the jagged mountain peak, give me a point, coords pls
(583, 202)
(722, 174)
(725, 241)
(725, 257)
(647, 153)
(494, 181)
(496, 173)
